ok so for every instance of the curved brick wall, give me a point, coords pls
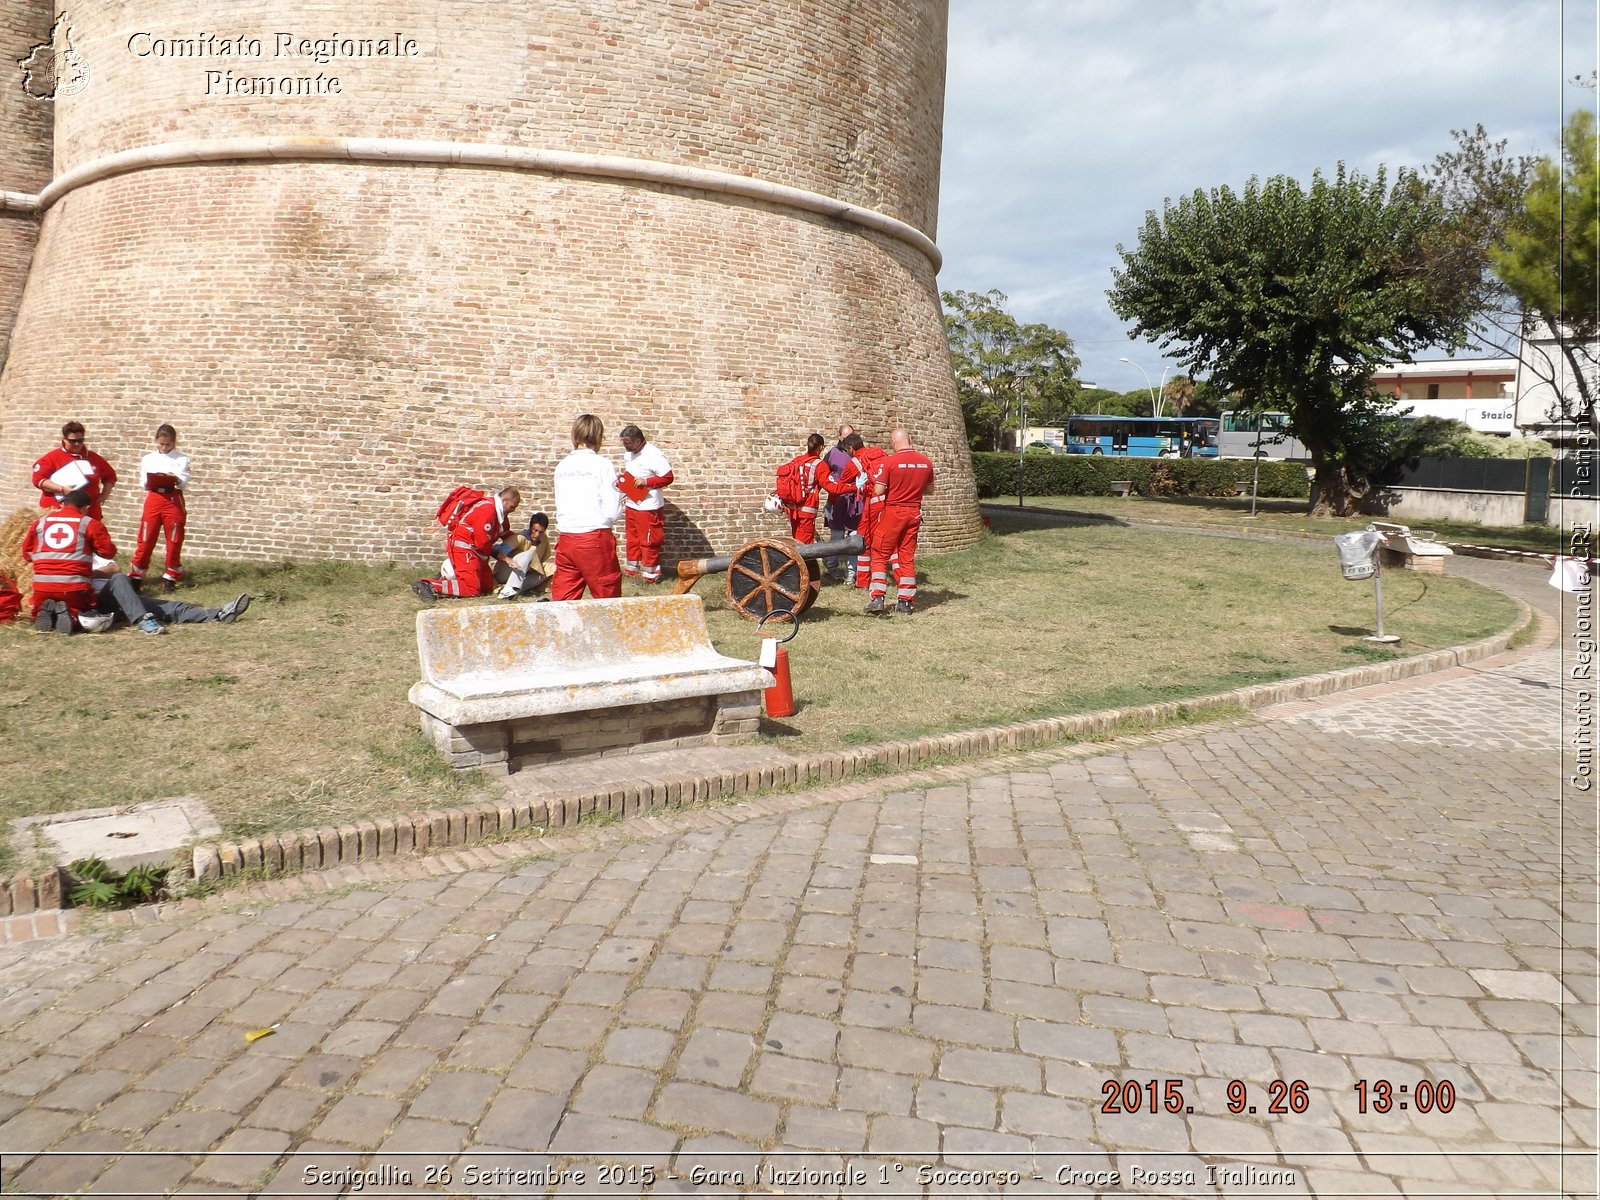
(24, 149)
(340, 343)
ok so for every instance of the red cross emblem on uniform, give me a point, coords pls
(59, 535)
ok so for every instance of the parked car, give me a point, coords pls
(1042, 448)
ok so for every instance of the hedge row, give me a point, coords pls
(1092, 475)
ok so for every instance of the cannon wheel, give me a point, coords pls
(769, 576)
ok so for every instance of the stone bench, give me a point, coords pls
(1413, 550)
(506, 686)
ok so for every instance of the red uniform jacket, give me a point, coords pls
(480, 528)
(907, 474)
(104, 476)
(61, 545)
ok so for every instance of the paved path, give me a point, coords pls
(1385, 895)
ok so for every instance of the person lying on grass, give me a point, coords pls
(115, 598)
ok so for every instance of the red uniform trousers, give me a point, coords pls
(803, 524)
(871, 510)
(164, 513)
(472, 574)
(646, 529)
(586, 559)
(896, 534)
(78, 599)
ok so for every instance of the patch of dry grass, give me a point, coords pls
(297, 715)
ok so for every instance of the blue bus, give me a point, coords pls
(1143, 437)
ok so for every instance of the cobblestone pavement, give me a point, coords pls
(1383, 898)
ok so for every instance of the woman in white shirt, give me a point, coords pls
(587, 506)
(163, 474)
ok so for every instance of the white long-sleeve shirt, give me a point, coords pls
(586, 493)
(168, 462)
(649, 463)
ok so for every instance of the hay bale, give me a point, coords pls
(12, 565)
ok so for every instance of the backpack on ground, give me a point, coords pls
(791, 487)
(457, 504)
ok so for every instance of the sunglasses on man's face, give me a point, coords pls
(74, 441)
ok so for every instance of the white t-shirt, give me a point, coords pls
(649, 461)
(586, 493)
(170, 462)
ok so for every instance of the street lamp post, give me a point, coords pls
(1156, 397)
(1148, 388)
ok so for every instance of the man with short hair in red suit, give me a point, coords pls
(62, 545)
(902, 479)
(644, 521)
(472, 544)
(871, 458)
(73, 465)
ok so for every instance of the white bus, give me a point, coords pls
(1258, 435)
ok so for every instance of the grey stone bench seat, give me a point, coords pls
(1415, 550)
(509, 685)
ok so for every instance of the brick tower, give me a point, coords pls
(359, 253)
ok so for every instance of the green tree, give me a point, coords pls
(1177, 396)
(1001, 364)
(1549, 260)
(1296, 295)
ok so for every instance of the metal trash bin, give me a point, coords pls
(1358, 553)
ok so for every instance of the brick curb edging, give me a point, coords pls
(455, 829)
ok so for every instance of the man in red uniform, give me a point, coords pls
(803, 516)
(472, 544)
(62, 545)
(871, 458)
(87, 470)
(902, 479)
(644, 521)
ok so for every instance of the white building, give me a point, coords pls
(1544, 376)
(1479, 391)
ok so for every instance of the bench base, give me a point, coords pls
(501, 747)
(1427, 564)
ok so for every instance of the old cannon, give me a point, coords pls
(769, 575)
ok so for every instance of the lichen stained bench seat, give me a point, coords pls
(510, 685)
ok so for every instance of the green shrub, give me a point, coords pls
(1092, 475)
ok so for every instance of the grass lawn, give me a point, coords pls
(297, 715)
(1289, 516)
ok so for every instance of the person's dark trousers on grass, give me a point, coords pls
(116, 594)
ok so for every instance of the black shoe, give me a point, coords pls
(424, 591)
(44, 621)
(168, 586)
(63, 618)
(233, 609)
(902, 606)
(875, 605)
(138, 584)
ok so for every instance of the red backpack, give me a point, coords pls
(791, 485)
(10, 600)
(457, 504)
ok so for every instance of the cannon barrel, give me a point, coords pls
(696, 567)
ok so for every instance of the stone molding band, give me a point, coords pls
(465, 154)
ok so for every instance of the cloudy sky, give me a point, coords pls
(1065, 120)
